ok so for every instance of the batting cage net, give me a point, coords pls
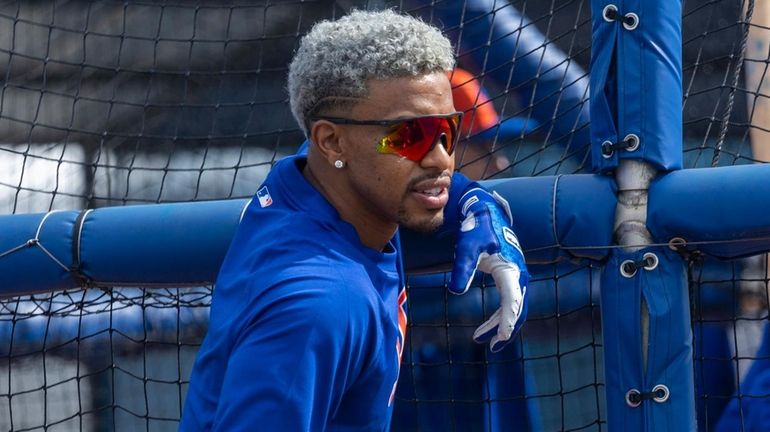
(120, 103)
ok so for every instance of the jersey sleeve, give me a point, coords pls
(289, 364)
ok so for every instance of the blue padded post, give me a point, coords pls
(636, 131)
(636, 82)
(669, 359)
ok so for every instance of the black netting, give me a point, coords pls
(99, 359)
(115, 103)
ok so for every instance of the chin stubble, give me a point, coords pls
(426, 225)
(423, 226)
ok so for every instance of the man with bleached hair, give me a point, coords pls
(308, 317)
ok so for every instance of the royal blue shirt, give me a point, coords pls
(307, 324)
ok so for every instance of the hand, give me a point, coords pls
(486, 242)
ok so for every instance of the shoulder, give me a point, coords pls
(277, 238)
(295, 259)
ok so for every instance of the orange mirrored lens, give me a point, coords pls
(415, 138)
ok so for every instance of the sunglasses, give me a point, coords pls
(412, 138)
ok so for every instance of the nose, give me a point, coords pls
(438, 158)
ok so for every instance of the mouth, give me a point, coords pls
(432, 194)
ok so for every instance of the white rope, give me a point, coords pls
(80, 233)
(50, 255)
(42, 221)
(12, 250)
(553, 209)
(35, 241)
(243, 211)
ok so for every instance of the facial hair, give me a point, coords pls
(423, 225)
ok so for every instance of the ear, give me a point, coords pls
(326, 136)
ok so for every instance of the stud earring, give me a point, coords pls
(339, 164)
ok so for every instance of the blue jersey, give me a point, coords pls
(307, 324)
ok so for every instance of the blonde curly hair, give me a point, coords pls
(336, 58)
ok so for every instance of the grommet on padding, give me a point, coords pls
(650, 261)
(633, 398)
(610, 13)
(630, 21)
(660, 393)
(629, 143)
(607, 149)
(632, 142)
(628, 269)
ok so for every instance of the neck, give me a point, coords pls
(373, 231)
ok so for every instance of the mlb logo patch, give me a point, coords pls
(263, 195)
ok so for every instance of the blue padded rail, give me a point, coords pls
(184, 244)
(148, 245)
(719, 211)
(25, 244)
(168, 243)
(556, 218)
(573, 217)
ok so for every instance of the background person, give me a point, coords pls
(478, 155)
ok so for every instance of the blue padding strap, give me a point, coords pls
(724, 208)
(669, 357)
(636, 83)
